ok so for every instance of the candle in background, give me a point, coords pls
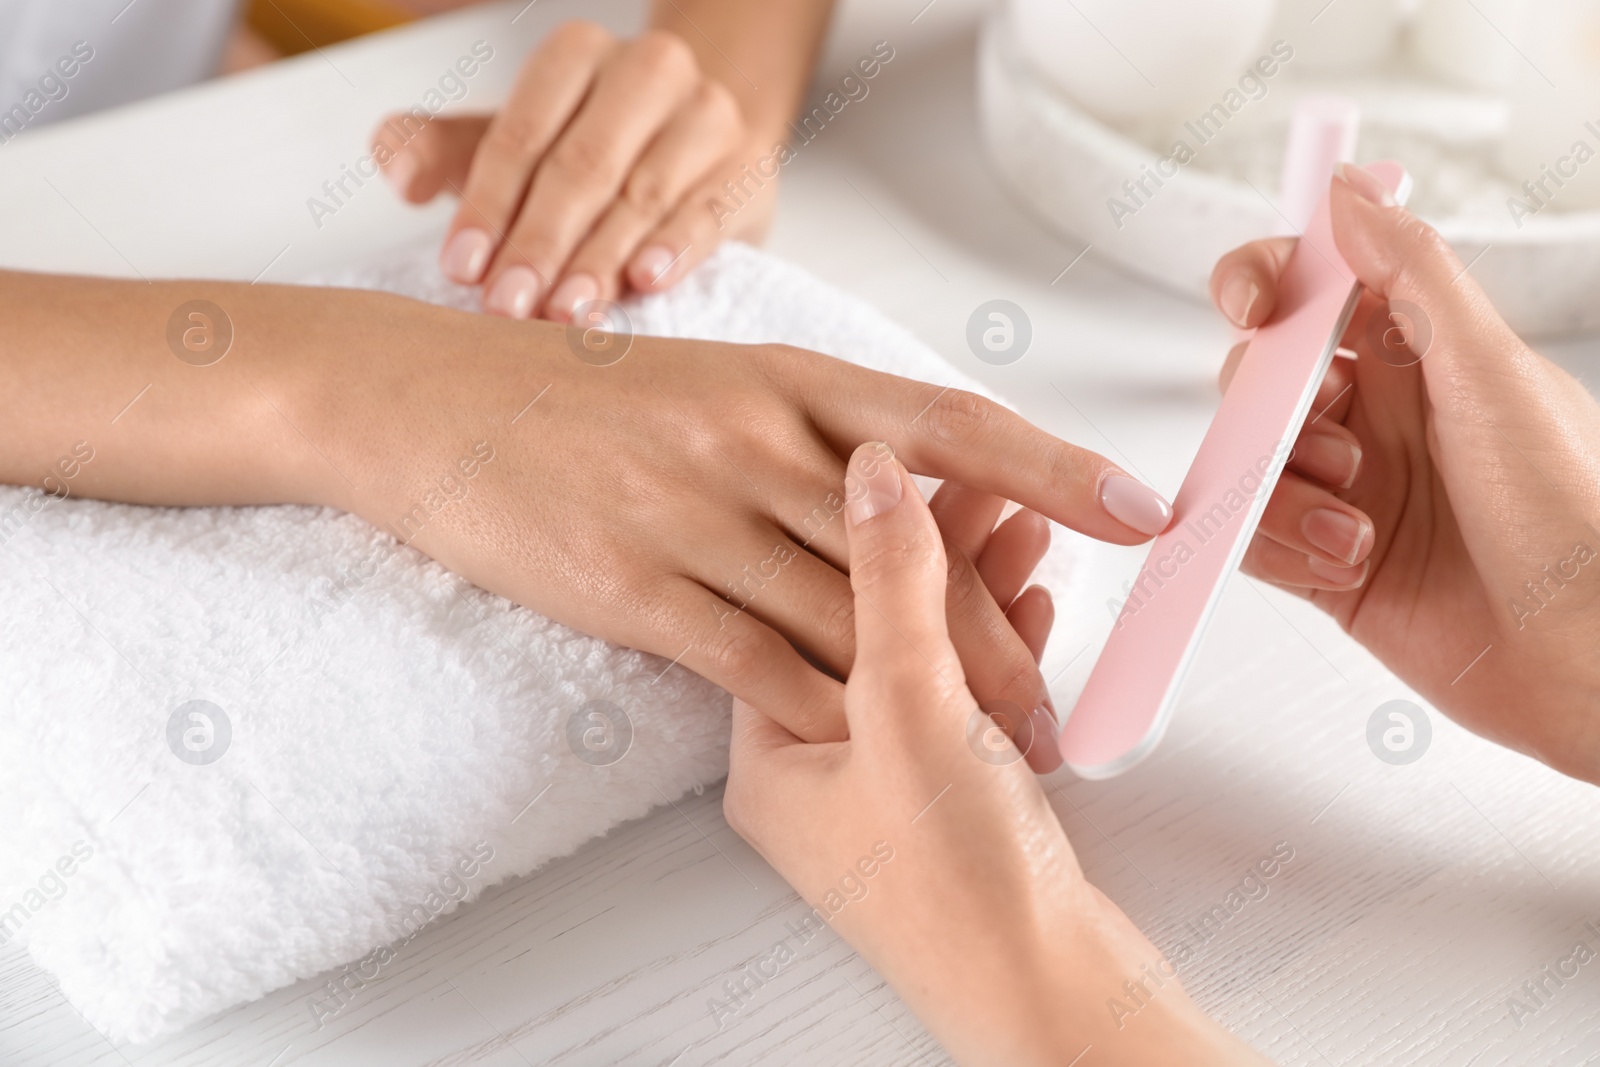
(1552, 148)
(1133, 60)
(1469, 42)
(1341, 36)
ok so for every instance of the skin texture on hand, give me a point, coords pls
(596, 176)
(684, 500)
(1443, 502)
(943, 865)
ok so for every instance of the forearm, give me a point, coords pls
(86, 363)
(764, 52)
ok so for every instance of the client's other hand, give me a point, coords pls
(593, 178)
(925, 843)
(1443, 501)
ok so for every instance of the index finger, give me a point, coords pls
(970, 439)
(549, 88)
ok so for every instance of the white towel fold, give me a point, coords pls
(380, 763)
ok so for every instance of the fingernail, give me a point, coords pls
(1238, 296)
(1044, 755)
(573, 292)
(650, 266)
(873, 485)
(1337, 533)
(1328, 457)
(465, 255)
(514, 293)
(400, 172)
(1365, 183)
(1332, 573)
(1135, 504)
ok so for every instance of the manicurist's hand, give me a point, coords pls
(1443, 501)
(924, 841)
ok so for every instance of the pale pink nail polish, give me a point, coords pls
(1365, 183)
(465, 256)
(872, 485)
(400, 172)
(1337, 533)
(650, 266)
(1135, 504)
(573, 292)
(1238, 296)
(1044, 756)
(513, 293)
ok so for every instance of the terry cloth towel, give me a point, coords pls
(211, 786)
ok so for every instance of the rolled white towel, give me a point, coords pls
(379, 752)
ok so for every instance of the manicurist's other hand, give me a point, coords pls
(925, 842)
(1442, 502)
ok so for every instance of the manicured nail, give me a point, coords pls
(1335, 575)
(1135, 504)
(1329, 458)
(651, 266)
(465, 255)
(513, 293)
(574, 291)
(1044, 755)
(1365, 183)
(400, 172)
(1337, 533)
(1239, 294)
(873, 484)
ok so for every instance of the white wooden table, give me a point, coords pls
(1418, 900)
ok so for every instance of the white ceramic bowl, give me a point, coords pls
(1065, 166)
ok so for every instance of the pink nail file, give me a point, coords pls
(1128, 700)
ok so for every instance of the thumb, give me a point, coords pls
(898, 573)
(1441, 312)
(422, 158)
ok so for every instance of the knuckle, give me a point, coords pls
(580, 161)
(839, 625)
(719, 103)
(647, 194)
(1021, 682)
(892, 558)
(736, 653)
(662, 53)
(961, 578)
(958, 417)
(510, 134)
(580, 33)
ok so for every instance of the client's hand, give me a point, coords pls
(1442, 503)
(686, 499)
(594, 177)
(924, 842)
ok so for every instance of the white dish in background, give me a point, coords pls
(1067, 167)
